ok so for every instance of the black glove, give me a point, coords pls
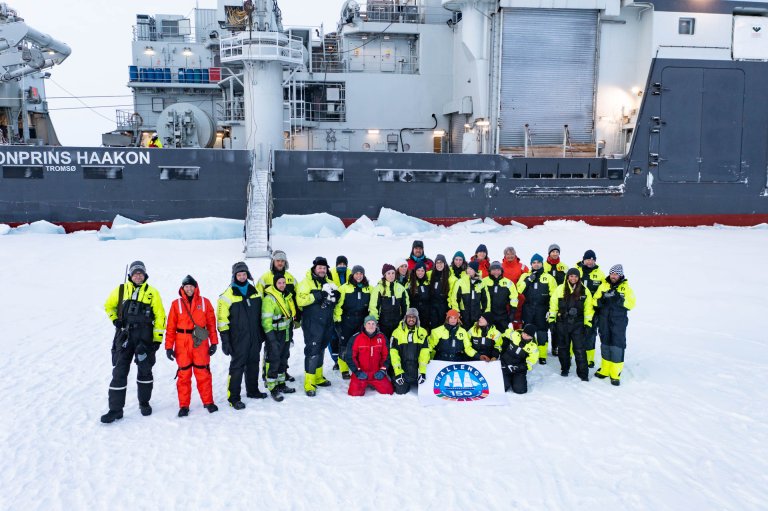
(361, 375)
(118, 323)
(318, 295)
(169, 354)
(400, 380)
(225, 343)
(156, 346)
(422, 378)
(212, 349)
(380, 374)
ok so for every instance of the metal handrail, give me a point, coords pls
(263, 46)
(390, 13)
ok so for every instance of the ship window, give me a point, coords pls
(103, 172)
(325, 174)
(685, 26)
(179, 173)
(22, 172)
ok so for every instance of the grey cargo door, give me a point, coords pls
(548, 73)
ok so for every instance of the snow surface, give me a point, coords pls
(687, 428)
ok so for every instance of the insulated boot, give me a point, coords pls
(183, 411)
(584, 378)
(605, 369)
(275, 393)
(212, 408)
(288, 377)
(237, 405)
(591, 364)
(111, 416)
(543, 361)
(615, 383)
(286, 389)
(320, 380)
(257, 395)
(146, 410)
(336, 366)
(345, 375)
(563, 373)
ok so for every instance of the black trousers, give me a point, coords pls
(315, 342)
(572, 334)
(244, 361)
(517, 380)
(276, 352)
(123, 353)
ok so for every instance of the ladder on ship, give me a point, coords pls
(258, 218)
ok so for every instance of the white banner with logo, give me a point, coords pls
(476, 383)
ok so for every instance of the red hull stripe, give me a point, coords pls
(744, 220)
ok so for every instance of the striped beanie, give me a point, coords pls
(617, 269)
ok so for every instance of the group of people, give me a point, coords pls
(381, 336)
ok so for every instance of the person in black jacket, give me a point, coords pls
(439, 291)
(419, 293)
(239, 323)
(350, 311)
(518, 355)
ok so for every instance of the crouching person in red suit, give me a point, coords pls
(367, 355)
(193, 354)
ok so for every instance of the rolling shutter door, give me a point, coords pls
(548, 72)
(457, 131)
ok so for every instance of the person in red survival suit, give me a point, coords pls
(367, 355)
(191, 353)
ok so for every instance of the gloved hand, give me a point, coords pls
(118, 323)
(225, 346)
(422, 378)
(169, 354)
(156, 346)
(212, 349)
(361, 375)
(485, 358)
(400, 380)
(317, 295)
(380, 374)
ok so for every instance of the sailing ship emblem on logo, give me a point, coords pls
(461, 382)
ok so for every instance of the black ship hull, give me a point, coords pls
(699, 156)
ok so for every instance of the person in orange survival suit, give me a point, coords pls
(191, 353)
(366, 356)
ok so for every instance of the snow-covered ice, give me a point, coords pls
(687, 428)
(187, 229)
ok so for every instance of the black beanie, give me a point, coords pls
(589, 254)
(573, 271)
(530, 329)
(342, 259)
(189, 281)
(320, 261)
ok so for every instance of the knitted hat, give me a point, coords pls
(573, 271)
(475, 265)
(420, 264)
(137, 266)
(589, 254)
(536, 257)
(453, 313)
(387, 267)
(358, 269)
(553, 246)
(530, 329)
(400, 262)
(370, 318)
(319, 261)
(412, 312)
(417, 243)
(238, 267)
(342, 259)
(188, 281)
(481, 248)
(617, 269)
(459, 253)
(440, 257)
(485, 317)
(496, 265)
(279, 255)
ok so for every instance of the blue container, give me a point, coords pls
(180, 75)
(133, 72)
(143, 75)
(206, 78)
(189, 74)
(167, 75)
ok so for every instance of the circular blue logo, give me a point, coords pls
(461, 382)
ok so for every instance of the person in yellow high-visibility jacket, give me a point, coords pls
(613, 299)
(155, 142)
